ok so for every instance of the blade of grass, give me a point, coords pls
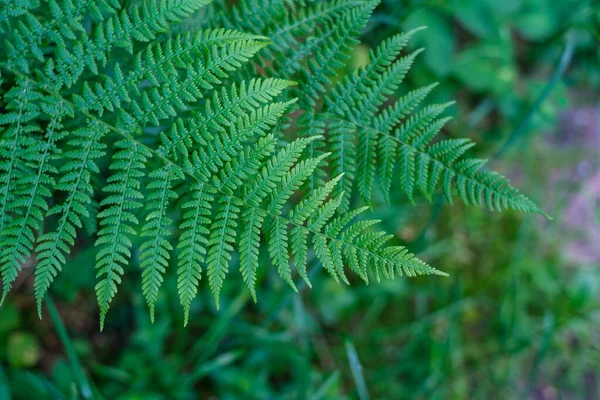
(4, 388)
(357, 371)
(220, 361)
(83, 384)
(559, 71)
(208, 343)
(29, 385)
(321, 392)
(549, 329)
(288, 295)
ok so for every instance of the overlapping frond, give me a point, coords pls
(29, 32)
(205, 58)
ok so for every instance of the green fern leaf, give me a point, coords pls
(155, 251)
(220, 243)
(117, 220)
(84, 149)
(33, 189)
(193, 243)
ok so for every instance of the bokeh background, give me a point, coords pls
(519, 316)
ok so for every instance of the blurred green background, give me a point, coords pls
(517, 318)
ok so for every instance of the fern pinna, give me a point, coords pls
(221, 139)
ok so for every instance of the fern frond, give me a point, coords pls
(331, 46)
(252, 222)
(279, 252)
(65, 23)
(360, 96)
(11, 9)
(180, 140)
(33, 189)
(254, 15)
(20, 121)
(387, 147)
(366, 89)
(207, 51)
(17, 151)
(142, 23)
(382, 140)
(222, 149)
(223, 228)
(333, 43)
(427, 166)
(80, 163)
(193, 243)
(253, 172)
(117, 219)
(253, 218)
(155, 251)
(220, 243)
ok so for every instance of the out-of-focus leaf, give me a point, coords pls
(438, 39)
(486, 67)
(23, 350)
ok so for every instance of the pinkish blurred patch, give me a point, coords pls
(581, 217)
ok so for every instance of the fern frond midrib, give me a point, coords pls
(416, 150)
(316, 16)
(161, 216)
(113, 244)
(192, 79)
(231, 105)
(135, 75)
(272, 215)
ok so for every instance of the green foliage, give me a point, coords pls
(107, 107)
(517, 319)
